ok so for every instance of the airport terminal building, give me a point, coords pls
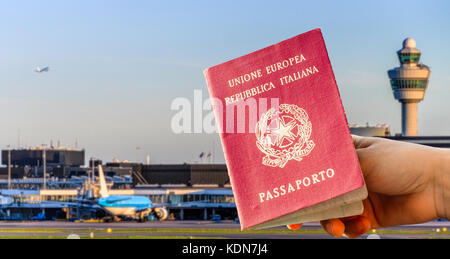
(187, 191)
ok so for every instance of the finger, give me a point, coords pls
(349, 218)
(334, 227)
(294, 226)
(356, 227)
(370, 214)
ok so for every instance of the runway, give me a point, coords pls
(200, 229)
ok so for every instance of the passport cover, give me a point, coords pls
(297, 151)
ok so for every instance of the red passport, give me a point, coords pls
(283, 129)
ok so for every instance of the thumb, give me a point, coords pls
(362, 142)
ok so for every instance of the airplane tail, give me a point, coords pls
(103, 187)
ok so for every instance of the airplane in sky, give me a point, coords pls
(41, 70)
(136, 207)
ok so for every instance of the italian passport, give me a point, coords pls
(285, 136)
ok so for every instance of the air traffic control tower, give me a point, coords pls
(409, 82)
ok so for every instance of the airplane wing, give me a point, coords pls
(141, 209)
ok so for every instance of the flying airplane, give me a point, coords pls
(136, 207)
(41, 70)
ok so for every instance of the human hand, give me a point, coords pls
(407, 184)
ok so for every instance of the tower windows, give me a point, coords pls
(408, 58)
(408, 83)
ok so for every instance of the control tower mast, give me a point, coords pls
(409, 83)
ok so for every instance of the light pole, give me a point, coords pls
(91, 178)
(44, 162)
(139, 154)
(9, 167)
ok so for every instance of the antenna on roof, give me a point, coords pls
(18, 139)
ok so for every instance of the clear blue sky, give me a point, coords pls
(117, 65)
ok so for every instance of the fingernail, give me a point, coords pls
(361, 227)
(330, 229)
(294, 226)
(335, 228)
(364, 225)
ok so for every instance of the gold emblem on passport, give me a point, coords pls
(283, 135)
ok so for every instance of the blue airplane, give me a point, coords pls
(41, 70)
(136, 207)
